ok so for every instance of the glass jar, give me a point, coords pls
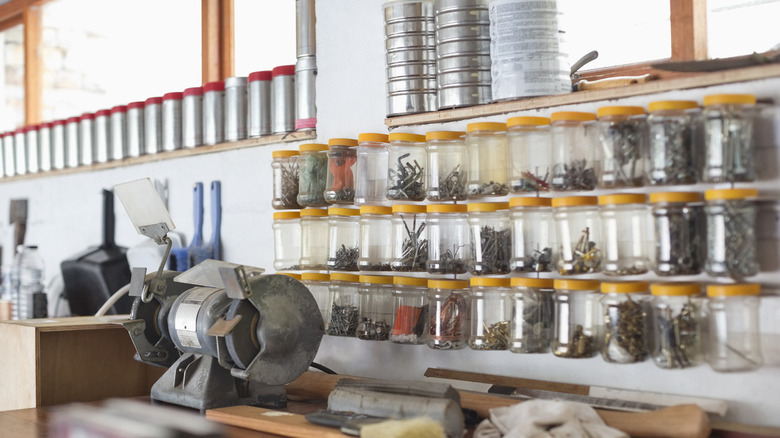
(406, 167)
(578, 234)
(577, 319)
(671, 143)
(410, 238)
(533, 235)
(530, 154)
(678, 219)
(409, 310)
(343, 239)
(312, 175)
(488, 153)
(340, 185)
(676, 322)
(284, 166)
(318, 286)
(533, 307)
(448, 239)
(375, 232)
(314, 241)
(448, 309)
(727, 128)
(573, 151)
(734, 340)
(447, 166)
(621, 146)
(371, 170)
(490, 313)
(343, 310)
(731, 236)
(490, 238)
(626, 231)
(376, 307)
(287, 240)
(623, 309)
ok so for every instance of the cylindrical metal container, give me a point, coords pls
(235, 108)
(72, 153)
(7, 166)
(305, 93)
(214, 112)
(44, 149)
(20, 151)
(283, 99)
(192, 117)
(118, 149)
(102, 134)
(33, 154)
(305, 20)
(135, 129)
(153, 125)
(58, 147)
(87, 138)
(171, 121)
(259, 113)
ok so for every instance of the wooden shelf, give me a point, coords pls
(200, 150)
(697, 80)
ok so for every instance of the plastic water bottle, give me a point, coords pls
(31, 297)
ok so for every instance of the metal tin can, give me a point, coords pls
(118, 132)
(87, 138)
(135, 129)
(44, 146)
(305, 93)
(213, 113)
(235, 108)
(171, 121)
(58, 149)
(192, 117)
(305, 20)
(72, 143)
(283, 99)
(102, 135)
(153, 125)
(20, 151)
(2, 155)
(259, 103)
(9, 164)
(33, 157)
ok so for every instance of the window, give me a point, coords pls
(264, 35)
(12, 78)
(740, 27)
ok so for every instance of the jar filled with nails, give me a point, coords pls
(284, 166)
(490, 234)
(406, 167)
(533, 307)
(376, 307)
(490, 313)
(343, 239)
(579, 234)
(448, 312)
(728, 129)
(573, 151)
(621, 146)
(623, 308)
(678, 220)
(447, 166)
(488, 153)
(731, 235)
(672, 140)
(448, 239)
(530, 154)
(343, 305)
(675, 317)
(409, 238)
(577, 319)
(533, 235)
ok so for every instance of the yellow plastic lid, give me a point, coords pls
(528, 121)
(342, 142)
(446, 208)
(489, 282)
(280, 215)
(726, 99)
(376, 279)
(409, 208)
(284, 154)
(671, 105)
(375, 209)
(338, 276)
(541, 283)
(733, 290)
(674, 197)
(372, 137)
(320, 212)
(620, 111)
(410, 281)
(341, 211)
(675, 289)
(315, 276)
(403, 136)
(290, 274)
(623, 198)
(574, 201)
(625, 287)
(726, 194)
(528, 201)
(560, 283)
(572, 116)
(313, 147)
(486, 126)
(487, 206)
(448, 284)
(444, 135)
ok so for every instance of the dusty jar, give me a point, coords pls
(733, 342)
(675, 315)
(488, 153)
(447, 326)
(530, 154)
(533, 307)
(447, 166)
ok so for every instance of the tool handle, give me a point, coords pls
(216, 218)
(108, 219)
(618, 81)
(197, 214)
(683, 421)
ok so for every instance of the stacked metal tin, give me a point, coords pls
(462, 52)
(411, 58)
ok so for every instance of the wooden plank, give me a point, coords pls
(268, 420)
(515, 382)
(18, 350)
(210, 40)
(227, 39)
(12, 10)
(33, 65)
(689, 29)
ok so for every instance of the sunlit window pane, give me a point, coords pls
(12, 79)
(264, 35)
(741, 27)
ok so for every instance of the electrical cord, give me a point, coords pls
(322, 368)
(113, 299)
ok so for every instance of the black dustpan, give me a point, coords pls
(92, 276)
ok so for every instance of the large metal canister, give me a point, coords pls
(33, 155)
(153, 125)
(213, 113)
(135, 129)
(9, 162)
(171, 117)
(305, 22)
(118, 132)
(305, 93)
(20, 151)
(192, 117)
(235, 108)
(283, 99)
(259, 103)
(102, 136)
(44, 146)
(58, 146)
(72, 142)
(3, 170)
(87, 138)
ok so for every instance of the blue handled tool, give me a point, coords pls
(216, 219)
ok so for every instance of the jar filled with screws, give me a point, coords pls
(733, 342)
(284, 165)
(448, 239)
(314, 241)
(287, 240)
(312, 175)
(573, 151)
(409, 310)
(533, 235)
(626, 231)
(672, 152)
(406, 167)
(375, 230)
(728, 131)
(488, 154)
(731, 236)
(490, 238)
(340, 185)
(448, 310)
(678, 219)
(577, 320)
(676, 322)
(530, 154)
(410, 238)
(343, 239)
(376, 307)
(578, 234)
(623, 308)
(490, 313)
(371, 170)
(621, 146)
(533, 306)
(318, 286)
(447, 166)
(343, 305)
